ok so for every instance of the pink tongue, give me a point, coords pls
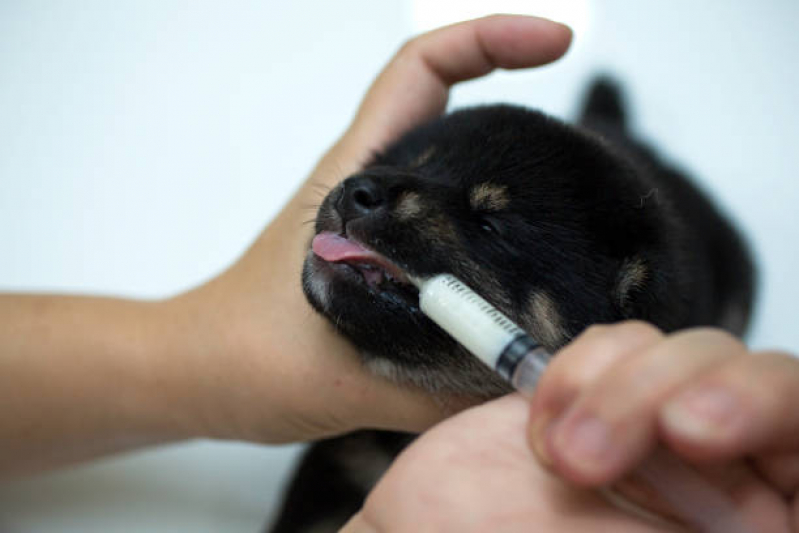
(332, 247)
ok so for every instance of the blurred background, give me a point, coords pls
(144, 144)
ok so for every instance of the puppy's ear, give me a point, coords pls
(604, 103)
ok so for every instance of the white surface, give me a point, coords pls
(144, 144)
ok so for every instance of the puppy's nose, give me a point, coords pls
(362, 196)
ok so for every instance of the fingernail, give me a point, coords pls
(538, 432)
(701, 414)
(586, 443)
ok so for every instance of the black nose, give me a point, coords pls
(362, 196)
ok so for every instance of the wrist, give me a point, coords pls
(168, 392)
(190, 366)
(251, 360)
(253, 365)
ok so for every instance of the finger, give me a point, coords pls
(414, 86)
(358, 524)
(578, 365)
(759, 504)
(795, 513)
(781, 470)
(756, 503)
(745, 406)
(613, 424)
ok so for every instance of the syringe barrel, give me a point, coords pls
(465, 315)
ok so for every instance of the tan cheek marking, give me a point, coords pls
(544, 321)
(489, 196)
(424, 157)
(632, 275)
(408, 206)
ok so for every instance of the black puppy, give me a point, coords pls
(558, 226)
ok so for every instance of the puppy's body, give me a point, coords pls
(556, 225)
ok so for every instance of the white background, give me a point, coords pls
(144, 144)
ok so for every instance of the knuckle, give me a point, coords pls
(595, 330)
(605, 344)
(707, 335)
(595, 340)
(777, 355)
(408, 48)
(638, 330)
(617, 336)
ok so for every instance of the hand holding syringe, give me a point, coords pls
(502, 345)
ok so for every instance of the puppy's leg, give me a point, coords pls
(333, 479)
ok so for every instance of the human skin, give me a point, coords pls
(243, 356)
(512, 465)
(618, 391)
(475, 472)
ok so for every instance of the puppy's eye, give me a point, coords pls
(491, 225)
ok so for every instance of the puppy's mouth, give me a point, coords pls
(378, 272)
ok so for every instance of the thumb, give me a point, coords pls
(414, 86)
(357, 524)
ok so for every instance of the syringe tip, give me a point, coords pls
(416, 281)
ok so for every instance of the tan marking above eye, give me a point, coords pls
(489, 197)
(424, 157)
(409, 205)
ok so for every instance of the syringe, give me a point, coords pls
(517, 357)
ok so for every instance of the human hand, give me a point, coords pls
(243, 356)
(616, 391)
(474, 473)
(261, 364)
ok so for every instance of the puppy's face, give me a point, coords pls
(528, 211)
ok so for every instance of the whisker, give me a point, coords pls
(320, 191)
(337, 171)
(321, 186)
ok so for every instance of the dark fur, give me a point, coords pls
(559, 226)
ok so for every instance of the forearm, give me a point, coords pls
(85, 376)
(241, 357)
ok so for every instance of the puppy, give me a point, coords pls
(559, 226)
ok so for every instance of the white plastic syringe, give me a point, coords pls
(518, 358)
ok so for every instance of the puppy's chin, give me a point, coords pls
(338, 290)
(472, 379)
(315, 284)
(395, 340)
(382, 322)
